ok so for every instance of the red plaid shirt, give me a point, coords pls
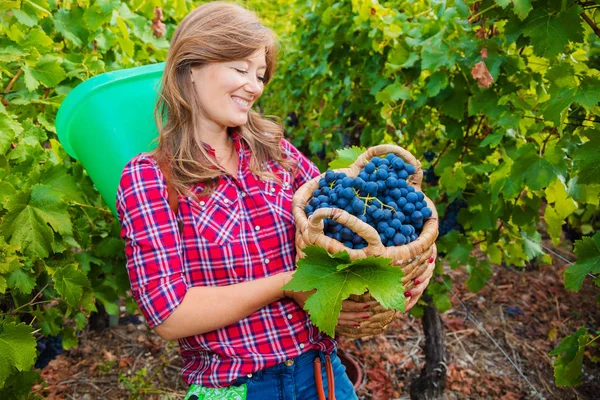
(244, 231)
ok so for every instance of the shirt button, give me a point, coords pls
(226, 201)
(249, 375)
(272, 190)
(243, 194)
(257, 228)
(267, 261)
(289, 316)
(202, 203)
(301, 345)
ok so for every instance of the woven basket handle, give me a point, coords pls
(364, 230)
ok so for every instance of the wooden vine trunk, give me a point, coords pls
(432, 381)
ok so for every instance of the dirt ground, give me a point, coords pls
(526, 311)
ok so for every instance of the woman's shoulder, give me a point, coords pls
(142, 168)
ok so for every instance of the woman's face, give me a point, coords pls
(227, 90)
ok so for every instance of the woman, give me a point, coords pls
(207, 256)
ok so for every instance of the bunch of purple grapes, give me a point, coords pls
(49, 348)
(379, 196)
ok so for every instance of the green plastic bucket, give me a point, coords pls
(107, 120)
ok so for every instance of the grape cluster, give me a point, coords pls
(49, 348)
(379, 196)
(449, 223)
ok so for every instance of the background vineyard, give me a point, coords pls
(500, 97)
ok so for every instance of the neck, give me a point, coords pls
(216, 137)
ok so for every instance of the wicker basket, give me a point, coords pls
(412, 257)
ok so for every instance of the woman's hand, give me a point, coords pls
(421, 282)
(352, 313)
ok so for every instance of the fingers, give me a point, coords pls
(421, 282)
(356, 306)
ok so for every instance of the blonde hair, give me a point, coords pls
(213, 32)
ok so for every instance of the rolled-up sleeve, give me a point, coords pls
(304, 169)
(152, 240)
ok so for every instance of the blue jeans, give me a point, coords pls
(296, 380)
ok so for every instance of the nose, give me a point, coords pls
(253, 86)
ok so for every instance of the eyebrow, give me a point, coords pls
(263, 66)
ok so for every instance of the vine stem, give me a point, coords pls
(591, 23)
(592, 341)
(32, 301)
(448, 143)
(89, 206)
(483, 12)
(11, 83)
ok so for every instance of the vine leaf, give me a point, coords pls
(550, 32)
(479, 274)
(345, 157)
(17, 349)
(588, 261)
(562, 207)
(70, 283)
(28, 217)
(587, 159)
(568, 365)
(335, 282)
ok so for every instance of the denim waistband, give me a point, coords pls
(288, 366)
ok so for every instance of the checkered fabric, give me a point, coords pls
(243, 231)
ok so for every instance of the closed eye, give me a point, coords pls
(242, 72)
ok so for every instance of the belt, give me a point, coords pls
(319, 378)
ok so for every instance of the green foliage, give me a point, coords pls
(588, 262)
(60, 250)
(335, 277)
(567, 367)
(346, 157)
(524, 139)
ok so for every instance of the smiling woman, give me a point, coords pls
(207, 221)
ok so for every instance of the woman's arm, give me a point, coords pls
(204, 308)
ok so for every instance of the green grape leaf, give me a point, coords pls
(3, 285)
(10, 52)
(587, 159)
(345, 157)
(535, 171)
(70, 284)
(69, 25)
(22, 281)
(19, 385)
(46, 70)
(550, 33)
(568, 366)
(319, 270)
(562, 207)
(440, 295)
(457, 248)
(453, 179)
(17, 349)
(479, 274)
(588, 262)
(28, 217)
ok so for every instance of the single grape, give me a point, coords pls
(391, 157)
(347, 182)
(426, 211)
(385, 161)
(411, 197)
(382, 174)
(405, 230)
(410, 189)
(398, 164)
(420, 195)
(333, 198)
(323, 199)
(387, 214)
(363, 175)
(403, 192)
(371, 188)
(329, 176)
(390, 232)
(396, 224)
(373, 177)
(401, 183)
(391, 183)
(380, 186)
(309, 209)
(416, 216)
(349, 244)
(376, 161)
(399, 239)
(369, 168)
(342, 202)
(393, 205)
(402, 174)
(409, 168)
(358, 205)
(316, 193)
(323, 183)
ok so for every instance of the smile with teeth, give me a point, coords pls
(241, 101)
